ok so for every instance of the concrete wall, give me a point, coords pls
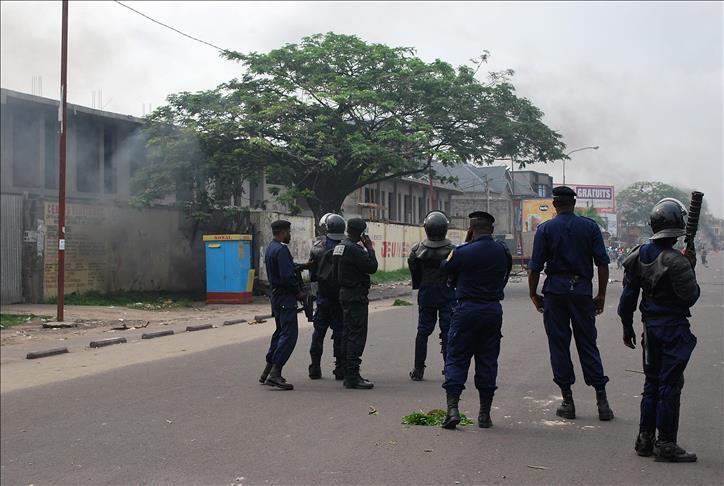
(500, 207)
(392, 241)
(111, 248)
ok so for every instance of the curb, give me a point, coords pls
(262, 317)
(107, 342)
(235, 321)
(200, 327)
(151, 335)
(59, 325)
(49, 352)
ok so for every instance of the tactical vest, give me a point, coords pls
(655, 277)
(426, 257)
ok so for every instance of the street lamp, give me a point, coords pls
(569, 153)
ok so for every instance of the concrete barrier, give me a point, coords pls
(200, 327)
(151, 335)
(49, 352)
(107, 342)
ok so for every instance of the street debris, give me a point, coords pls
(373, 411)
(539, 467)
(636, 371)
(169, 421)
(432, 418)
(400, 302)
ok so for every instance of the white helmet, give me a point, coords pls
(323, 223)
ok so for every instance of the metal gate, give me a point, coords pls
(11, 248)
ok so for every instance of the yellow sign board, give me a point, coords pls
(535, 212)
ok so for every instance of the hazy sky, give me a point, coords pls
(642, 80)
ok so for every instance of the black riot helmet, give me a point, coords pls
(436, 224)
(335, 227)
(323, 223)
(668, 219)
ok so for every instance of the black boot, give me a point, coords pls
(265, 373)
(567, 408)
(315, 370)
(338, 371)
(354, 380)
(484, 421)
(417, 373)
(275, 379)
(604, 410)
(644, 442)
(452, 419)
(670, 452)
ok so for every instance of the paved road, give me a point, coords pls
(203, 419)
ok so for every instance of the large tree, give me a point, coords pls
(636, 201)
(332, 114)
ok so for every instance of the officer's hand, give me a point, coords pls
(368, 243)
(537, 302)
(629, 337)
(599, 303)
(308, 265)
(300, 296)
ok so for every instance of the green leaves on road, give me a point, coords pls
(432, 418)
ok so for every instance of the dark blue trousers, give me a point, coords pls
(473, 334)
(572, 315)
(285, 335)
(328, 315)
(667, 350)
(433, 303)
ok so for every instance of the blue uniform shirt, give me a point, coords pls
(482, 268)
(568, 246)
(654, 314)
(280, 272)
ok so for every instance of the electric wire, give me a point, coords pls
(170, 27)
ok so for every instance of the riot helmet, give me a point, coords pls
(323, 224)
(668, 219)
(436, 224)
(335, 226)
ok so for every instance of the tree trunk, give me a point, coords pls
(320, 208)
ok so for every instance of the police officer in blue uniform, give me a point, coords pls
(480, 270)
(328, 314)
(434, 298)
(285, 291)
(668, 283)
(355, 261)
(568, 246)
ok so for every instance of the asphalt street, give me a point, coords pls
(203, 418)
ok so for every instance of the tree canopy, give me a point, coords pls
(331, 114)
(636, 201)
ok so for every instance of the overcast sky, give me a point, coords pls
(643, 81)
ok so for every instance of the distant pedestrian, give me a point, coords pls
(704, 252)
(567, 247)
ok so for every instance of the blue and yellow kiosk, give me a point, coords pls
(229, 276)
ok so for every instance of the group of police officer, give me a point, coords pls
(461, 289)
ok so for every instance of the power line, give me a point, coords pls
(172, 28)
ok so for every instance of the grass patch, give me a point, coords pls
(401, 302)
(10, 320)
(149, 300)
(400, 275)
(432, 418)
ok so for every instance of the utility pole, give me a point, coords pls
(487, 194)
(432, 193)
(63, 118)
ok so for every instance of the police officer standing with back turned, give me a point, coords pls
(481, 269)
(328, 313)
(668, 282)
(354, 262)
(284, 295)
(434, 298)
(568, 245)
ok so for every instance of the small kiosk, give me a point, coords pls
(229, 276)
